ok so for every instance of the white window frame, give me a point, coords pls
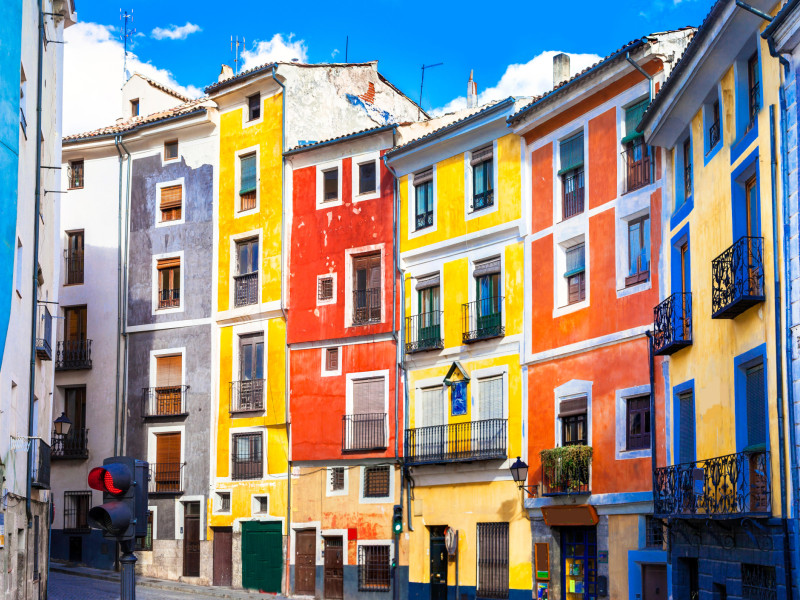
(469, 212)
(168, 161)
(155, 354)
(383, 499)
(621, 422)
(160, 186)
(629, 207)
(412, 205)
(324, 372)
(246, 109)
(345, 491)
(237, 164)
(177, 309)
(561, 291)
(234, 256)
(580, 126)
(255, 504)
(361, 159)
(320, 169)
(333, 299)
(216, 503)
(154, 510)
(348, 281)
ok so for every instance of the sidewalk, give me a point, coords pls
(163, 584)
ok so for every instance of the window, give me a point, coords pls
(168, 396)
(638, 161)
(366, 424)
(367, 177)
(248, 393)
(76, 511)
(482, 162)
(374, 569)
(330, 184)
(753, 89)
(423, 199)
(75, 174)
(331, 359)
(576, 274)
(637, 423)
(756, 408)
(74, 442)
(686, 431)
(169, 282)
(135, 107)
(376, 482)
(492, 560)
(246, 456)
(367, 289)
(427, 328)
(572, 412)
(145, 544)
(75, 323)
(254, 107)
(337, 479)
(654, 533)
(74, 257)
(261, 505)
(325, 288)
(714, 126)
(168, 467)
(224, 502)
(170, 201)
(571, 174)
(638, 250)
(247, 182)
(687, 168)
(171, 150)
(758, 582)
(246, 278)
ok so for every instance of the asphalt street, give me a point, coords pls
(72, 587)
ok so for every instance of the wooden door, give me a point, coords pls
(334, 571)
(223, 556)
(191, 543)
(75, 323)
(169, 378)
(262, 555)
(168, 465)
(654, 582)
(305, 562)
(438, 564)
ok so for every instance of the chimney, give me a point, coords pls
(225, 73)
(560, 69)
(472, 92)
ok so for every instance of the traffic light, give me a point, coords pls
(123, 514)
(397, 520)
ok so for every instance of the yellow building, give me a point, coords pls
(717, 116)
(461, 225)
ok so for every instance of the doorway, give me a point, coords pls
(191, 539)
(579, 563)
(654, 582)
(334, 572)
(262, 555)
(223, 556)
(305, 563)
(438, 564)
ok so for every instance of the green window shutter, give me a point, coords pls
(248, 172)
(633, 115)
(571, 153)
(576, 260)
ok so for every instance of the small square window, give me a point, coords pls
(376, 482)
(254, 107)
(262, 504)
(224, 502)
(366, 177)
(135, 108)
(331, 359)
(330, 180)
(337, 479)
(654, 535)
(325, 288)
(171, 150)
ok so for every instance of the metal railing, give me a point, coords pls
(169, 298)
(367, 306)
(164, 401)
(672, 324)
(473, 440)
(687, 181)
(74, 267)
(247, 395)
(72, 445)
(166, 478)
(482, 319)
(44, 333)
(39, 455)
(73, 354)
(733, 485)
(483, 200)
(23, 122)
(713, 135)
(247, 467)
(246, 289)
(565, 477)
(364, 432)
(737, 278)
(754, 103)
(638, 167)
(572, 194)
(424, 220)
(424, 332)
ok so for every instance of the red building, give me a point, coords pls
(344, 402)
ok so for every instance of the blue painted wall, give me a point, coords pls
(96, 551)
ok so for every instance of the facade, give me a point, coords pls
(724, 488)
(593, 195)
(461, 227)
(31, 73)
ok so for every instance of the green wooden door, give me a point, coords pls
(262, 556)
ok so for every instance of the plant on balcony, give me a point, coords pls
(569, 466)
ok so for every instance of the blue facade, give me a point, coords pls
(90, 549)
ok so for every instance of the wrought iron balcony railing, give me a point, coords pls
(73, 354)
(424, 220)
(169, 298)
(482, 319)
(367, 306)
(672, 324)
(39, 455)
(246, 290)
(565, 470)
(424, 332)
(483, 200)
(457, 442)
(754, 105)
(44, 333)
(166, 478)
(737, 278)
(364, 432)
(23, 122)
(638, 166)
(74, 267)
(726, 486)
(165, 401)
(73, 445)
(247, 395)
(573, 194)
(713, 134)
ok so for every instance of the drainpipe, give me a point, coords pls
(117, 140)
(124, 297)
(35, 290)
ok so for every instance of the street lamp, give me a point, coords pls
(519, 473)
(62, 424)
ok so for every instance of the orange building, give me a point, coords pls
(595, 408)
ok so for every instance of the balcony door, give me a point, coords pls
(75, 408)
(169, 378)
(75, 257)
(490, 434)
(251, 371)
(429, 327)
(753, 231)
(367, 427)
(487, 292)
(430, 436)
(367, 288)
(168, 462)
(75, 324)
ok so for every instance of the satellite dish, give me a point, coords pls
(451, 541)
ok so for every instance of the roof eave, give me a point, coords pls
(340, 140)
(134, 129)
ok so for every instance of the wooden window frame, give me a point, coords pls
(173, 266)
(639, 441)
(642, 274)
(171, 210)
(567, 422)
(169, 144)
(372, 489)
(76, 182)
(332, 359)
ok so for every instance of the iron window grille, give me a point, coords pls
(166, 478)
(654, 533)
(492, 560)
(424, 332)
(76, 511)
(637, 423)
(687, 168)
(367, 306)
(374, 569)
(247, 395)
(145, 543)
(753, 90)
(758, 582)
(337, 479)
(23, 122)
(75, 174)
(482, 319)
(377, 482)
(224, 502)
(39, 458)
(714, 128)
(246, 291)
(472, 440)
(164, 401)
(572, 184)
(247, 456)
(325, 288)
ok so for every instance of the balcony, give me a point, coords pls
(457, 442)
(736, 485)
(73, 355)
(638, 161)
(423, 220)
(169, 298)
(713, 135)
(364, 432)
(246, 289)
(483, 200)
(167, 401)
(74, 266)
(565, 470)
(166, 478)
(44, 334)
(247, 396)
(482, 320)
(573, 194)
(424, 332)
(367, 306)
(672, 324)
(72, 446)
(754, 105)
(39, 455)
(737, 278)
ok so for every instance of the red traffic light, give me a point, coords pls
(114, 478)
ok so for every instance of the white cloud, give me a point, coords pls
(93, 78)
(530, 79)
(276, 49)
(175, 32)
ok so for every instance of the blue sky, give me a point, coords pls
(401, 35)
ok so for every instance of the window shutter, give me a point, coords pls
(431, 281)
(248, 174)
(331, 359)
(756, 406)
(576, 260)
(490, 398)
(168, 371)
(423, 176)
(168, 447)
(432, 408)
(572, 406)
(487, 267)
(687, 428)
(168, 263)
(571, 153)
(482, 155)
(368, 396)
(633, 115)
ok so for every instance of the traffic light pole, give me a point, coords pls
(127, 582)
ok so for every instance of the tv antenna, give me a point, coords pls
(422, 82)
(125, 36)
(237, 43)
(346, 47)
